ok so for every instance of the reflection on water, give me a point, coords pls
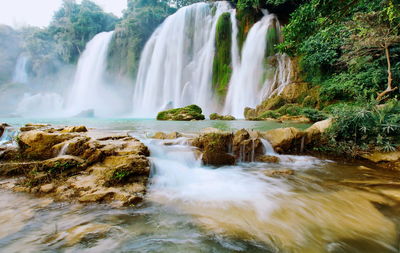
(325, 206)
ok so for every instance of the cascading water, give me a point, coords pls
(88, 91)
(176, 64)
(253, 79)
(20, 72)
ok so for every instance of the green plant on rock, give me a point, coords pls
(222, 69)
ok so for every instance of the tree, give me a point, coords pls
(373, 34)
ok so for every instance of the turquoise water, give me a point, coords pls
(152, 125)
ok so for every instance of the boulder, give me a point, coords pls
(313, 133)
(216, 116)
(74, 129)
(268, 159)
(276, 173)
(164, 136)
(378, 157)
(47, 188)
(38, 144)
(284, 139)
(188, 113)
(215, 147)
(85, 114)
(246, 147)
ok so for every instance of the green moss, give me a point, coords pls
(191, 112)
(222, 69)
(216, 116)
(246, 18)
(272, 41)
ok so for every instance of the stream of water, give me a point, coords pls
(325, 206)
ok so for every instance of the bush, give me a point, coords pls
(367, 126)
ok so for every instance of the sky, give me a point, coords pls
(18, 13)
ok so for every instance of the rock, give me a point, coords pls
(2, 128)
(245, 146)
(47, 188)
(293, 91)
(378, 157)
(268, 159)
(31, 126)
(218, 159)
(74, 129)
(313, 133)
(163, 136)
(284, 139)
(188, 113)
(295, 119)
(61, 164)
(126, 169)
(215, 147)
(274, 173)
(96, 197)
(38, 144)
(85, 114)
(216, 116)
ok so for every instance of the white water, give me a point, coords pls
(89, 89)
(251, 80)
(40, 105)
(176, 64)
(20, 72)
(180, 177)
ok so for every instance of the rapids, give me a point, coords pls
(325, 206)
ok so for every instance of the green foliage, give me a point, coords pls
(367, 126)
(216, 116)
(191, 112)
(222, 69)
(138, 23)
(294, 110)
(75, 24)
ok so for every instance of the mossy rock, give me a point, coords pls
(216, 116)
(222, 68)
(188, 113)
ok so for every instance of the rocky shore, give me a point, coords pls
(74, 163)
(88, 165)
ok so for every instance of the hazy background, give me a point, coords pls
(18, 13)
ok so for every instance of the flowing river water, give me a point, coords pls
(325, 206)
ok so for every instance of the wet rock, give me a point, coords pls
(378, 157)
(268, 159)
(215, 147)
(47, 188)
(275, 173)
(188, 113)
(75, 129)
(216, 116)
(284, 139)
(245, 146)
(37, 144)
(164, 136)
(292, 92)
(99, 166)
(31, 126)
(295, 119)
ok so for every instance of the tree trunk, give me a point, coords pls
(390, 79)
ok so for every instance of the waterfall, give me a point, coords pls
(176, 64)
(253, 79)
(20, 73)
(88, 90)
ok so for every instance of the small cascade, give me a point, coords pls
(268, 149)
(88, 90)
(258, 75)
(63, 150)
(20, 72)
(40, 105)
(176, 64)
(9, 137)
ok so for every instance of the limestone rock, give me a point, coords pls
(245, 146)
(268, 159)
(215, 147)
(216, 116)
(74, 129)
(313, 133)
(293, 91)
(164, 136)
(377, 157)
(38, 144)
(275, 173)
(284, 139)
(47, 188)
(188, 113)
